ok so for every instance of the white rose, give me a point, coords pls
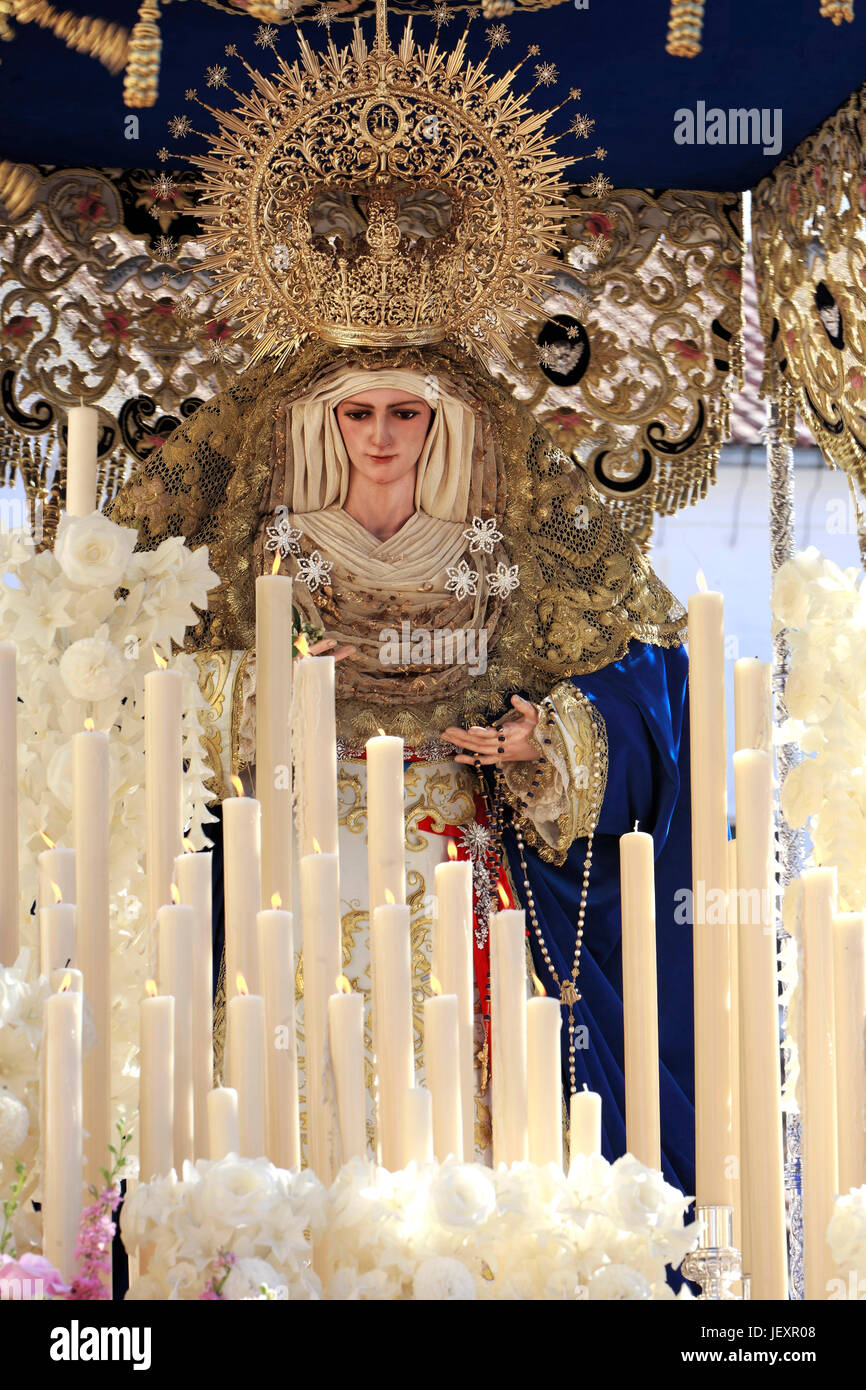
(14, 1122)
(440, 1278)
(618, 1282)
(237, 1192)
(846, 1233)
(462, 1194)
(94, 552)
(802, 793)
(640, 1199)
(92, 669)
(247, 1278)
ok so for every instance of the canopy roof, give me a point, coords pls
(61, 107)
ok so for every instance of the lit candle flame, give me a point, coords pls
(636, 824)
(381, 733)
(503, 896)
(701, 581)
(302, 646)
(435, 985)
(48, 840)
(452, 850)
(175, 893)
(243, 987)
(276, 565)
(237, 784)
(344, 985)
(160, 660)
(57, 891)
(317, 848)
(389, 896)
(150, 988)
(89, 725)
(65, 983)
(537, 985)
(276, 900)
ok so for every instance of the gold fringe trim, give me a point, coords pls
(98, 38)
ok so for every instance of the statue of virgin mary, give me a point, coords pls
(484, 604)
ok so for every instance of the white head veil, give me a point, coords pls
(321, 464)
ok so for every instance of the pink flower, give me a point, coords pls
(29, 1268)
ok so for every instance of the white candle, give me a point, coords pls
(386, 835)
(176, 928)
(222, 1115)
(163, 782)
(277, 973)
(544, 1080)
(273, 731)
(8, 804)
(67, 979)
(640, 997)
(156, 1085)
(849, 972)
(56, 866)
(714, 1138)
(81, 460)
(753, 718)
(818, 1063)
(91, 815)
(318, 754)
(442, 1070)
(56, 937)
(393, 1040)
(416, 1112)
(508, 1030)
(242, 853)
(452, 965)
(322, 958)
(762, 1180)
(62, 1182)
(247, 1034)
(346, 1026)
(584, 1124)
(193, 878)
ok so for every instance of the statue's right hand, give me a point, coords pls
(328, 647)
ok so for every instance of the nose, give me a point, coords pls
(381, 435)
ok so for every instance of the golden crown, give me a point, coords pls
(356, 133)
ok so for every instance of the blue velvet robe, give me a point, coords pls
(643, 699)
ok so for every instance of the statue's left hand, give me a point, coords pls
(510, 741)
(328, 647)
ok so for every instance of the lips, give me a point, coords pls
(382, 458)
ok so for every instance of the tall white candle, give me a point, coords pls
(8, 804)
(442, 1070)
(584, 1123)
(156, 1086)
(193, 879)
(277, 973)
(56, 865)
(62, 1182)
(640, 997)
(508, 1030)
(242, 853)
(318, 754)
(849, 975)
(394, 1039)
(753, 717)
(176, 927)
(452, 965)
(56, 937)
(81, 460)
(247, 1035)
(544, 1084)
(386, 835)
(322, 957)
(163, 782)
(222, 1115)
(346, 1027)
(714, 1138)
(273, 731)
(818, 1070)
(416, 1112)
(762, 1181)
(91, 815)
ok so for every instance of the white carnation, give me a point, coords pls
(93, 551)
(439, 1278)
(92, 669)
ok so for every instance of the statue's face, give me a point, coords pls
(384, 432)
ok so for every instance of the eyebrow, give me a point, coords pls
(392, 405)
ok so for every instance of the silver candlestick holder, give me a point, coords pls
(715, 1264)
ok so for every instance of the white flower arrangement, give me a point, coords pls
(21, 999)
(846, 1236)
(86, 619)
(254, 1215)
